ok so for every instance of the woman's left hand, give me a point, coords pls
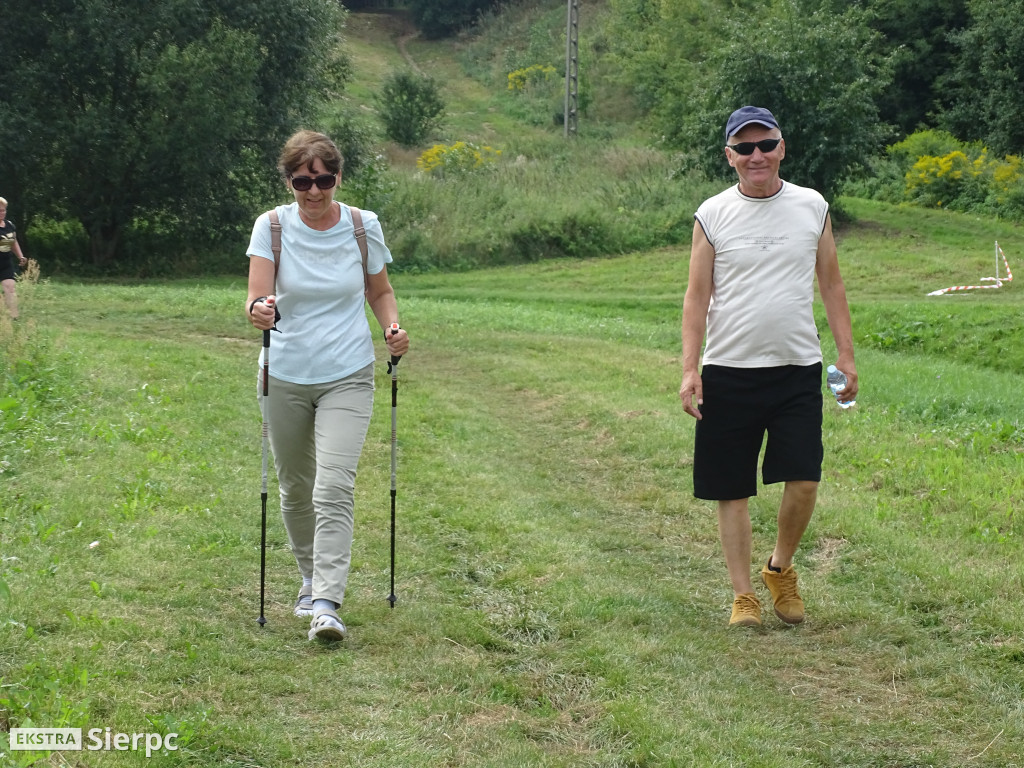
(397, 341)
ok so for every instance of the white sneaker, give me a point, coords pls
(304, 603)
(326, 625)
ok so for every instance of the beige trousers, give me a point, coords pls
(316, 435)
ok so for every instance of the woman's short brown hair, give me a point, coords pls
(303, 148)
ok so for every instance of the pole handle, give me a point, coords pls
(393, 329)
(270, 302)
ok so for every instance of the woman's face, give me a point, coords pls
(314, 203)
(3, 212)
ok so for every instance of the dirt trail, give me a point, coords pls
(398, 26)
(405, 38)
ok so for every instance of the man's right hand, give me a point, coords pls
(692, 389)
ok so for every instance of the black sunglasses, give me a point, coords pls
(304, 183)
(747, 147)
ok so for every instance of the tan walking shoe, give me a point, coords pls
(746, 611)
(789, 606)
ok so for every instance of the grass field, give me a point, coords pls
(562, 600)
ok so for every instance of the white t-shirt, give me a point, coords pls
(761, 312)
(324, 334)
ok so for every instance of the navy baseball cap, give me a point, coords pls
(745, 116)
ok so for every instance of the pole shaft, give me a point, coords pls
(392, 598)
(263, 489)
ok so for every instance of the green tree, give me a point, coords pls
(660, 46)
(441, 18)
(818, 72)
(410, 107)
(987, 98)
(120, 111)
(917, 32)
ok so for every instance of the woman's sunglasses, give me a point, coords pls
(305, 183)
(747, 147)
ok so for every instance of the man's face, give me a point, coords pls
(761, 169)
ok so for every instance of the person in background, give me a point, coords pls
(757, 248)
(321, 370)
(9, 251)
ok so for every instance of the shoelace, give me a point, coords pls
(787, 590)
(748, 604)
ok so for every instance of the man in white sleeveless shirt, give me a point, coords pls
(757, 248)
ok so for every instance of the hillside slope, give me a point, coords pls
(472, 73)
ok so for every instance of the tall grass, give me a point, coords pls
(30, 382)
(544, 201)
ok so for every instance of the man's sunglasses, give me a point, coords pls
(325, 181)
(747, 147)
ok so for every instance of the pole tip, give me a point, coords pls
(261, 621)
(392, 599)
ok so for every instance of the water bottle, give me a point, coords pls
(836, 381)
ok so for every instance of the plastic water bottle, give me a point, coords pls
(836, 380)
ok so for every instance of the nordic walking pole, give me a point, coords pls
(263, 493)
(393, 370)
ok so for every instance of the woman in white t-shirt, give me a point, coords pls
(321, 370)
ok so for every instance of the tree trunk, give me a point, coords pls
(104, 242)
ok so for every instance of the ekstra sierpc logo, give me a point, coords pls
(71, 740)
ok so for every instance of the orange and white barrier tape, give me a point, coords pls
(997, 280)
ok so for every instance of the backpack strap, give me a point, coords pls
(360, 235)
(275, 241)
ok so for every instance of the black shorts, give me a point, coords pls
(7, 270)
(740, 406)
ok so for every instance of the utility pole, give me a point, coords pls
(572, 60)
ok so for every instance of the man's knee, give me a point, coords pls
(800, 493)
(803, 486)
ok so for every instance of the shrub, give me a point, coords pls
(410, 108)
(373, 186)
(953, 179)
(942, 171)
(521, 79)
(60, 246)
(929, 142)
(457, 159)
(933, 168)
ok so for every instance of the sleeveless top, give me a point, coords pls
(761, 312)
